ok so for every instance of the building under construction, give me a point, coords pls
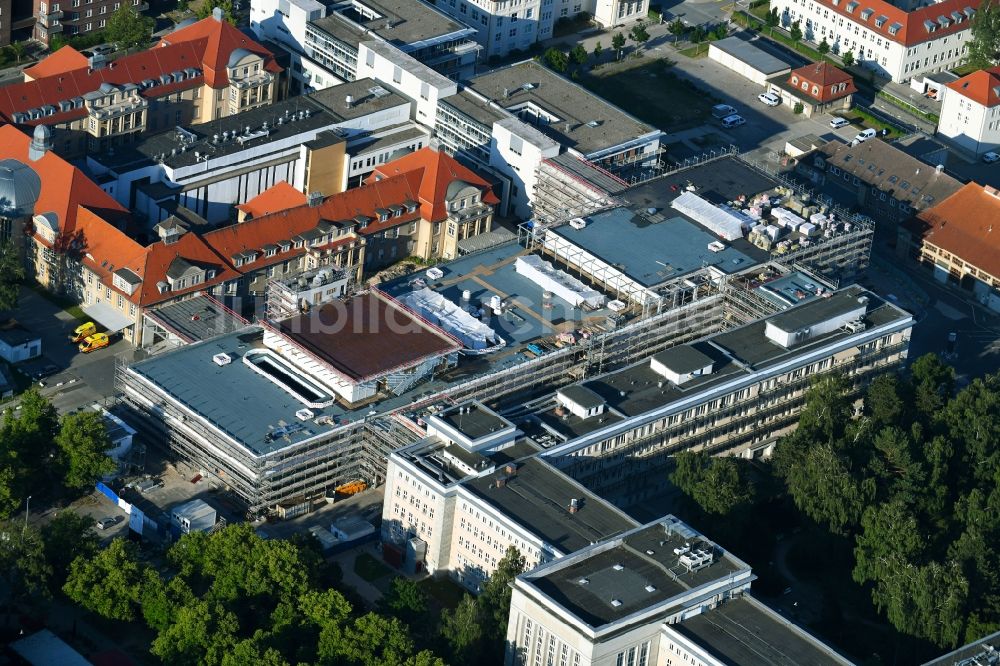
(288, 411)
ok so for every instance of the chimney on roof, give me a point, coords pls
(574, 505)
(314, 199)
(217, 14)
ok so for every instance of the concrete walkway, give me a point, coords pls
(368, 592)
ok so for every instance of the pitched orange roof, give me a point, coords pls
(281, 196)
(433, 171)
(907, 28)
(826, 77)
(966, 224)
(982, 86)
(64, 60)
(153, 263)
(65, 190)
(222, 39)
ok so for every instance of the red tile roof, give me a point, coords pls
(826, 77)
(65, 189)
(982, 86)
(221, 39)
(64, 60)
(153, 263)
(912, 29)
(966, 224)
(206, 46)
(281, 196)
(432, 172)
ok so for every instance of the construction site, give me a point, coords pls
(288, 418)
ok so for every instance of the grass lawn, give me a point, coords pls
(696, 50)
(648, 90)
(444, 591)
(859, 116)
(369, 568)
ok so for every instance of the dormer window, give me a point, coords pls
(851, 6)
(867, 13)
(880, 21)
(895, 28)
(795, 80)
(930, 26)
(238, 260)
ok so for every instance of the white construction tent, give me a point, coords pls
(725, 222)
(438, 310)
(559, 282)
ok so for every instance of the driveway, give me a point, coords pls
(82, 378)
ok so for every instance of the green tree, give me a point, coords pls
(371, 640)
(463, 631)
(405, 600)
(160, 601)
(718, 485)
(677, 29)
(556, 59)
(9, 496)
(847, 58)
(24, 571)
(697, 34)
(984, 47)
(884, 400)
(618, 43)
(128, 28)
(579, 54)
(225, 5)
(720, 31)
(11, 273)
(66, 537)
(598, 50)
(772, 19)
(202, 634)
(108, 583)
(933, 383)
(826, 488)
(83, 440)
(494, 601)
(17, 48)
(796, 33)
(823, 47)
(639, 34)
(27, 447)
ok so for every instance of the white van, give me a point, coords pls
(866, 134)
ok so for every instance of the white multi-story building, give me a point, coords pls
(323, 39)
(508, 25)
(473, 487)
(896, 42)
(659, 594)
(970, 112)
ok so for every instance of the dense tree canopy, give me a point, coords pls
(128, 28)
(718, 485)
(914, 479)
(984, 47)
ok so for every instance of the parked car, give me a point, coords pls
(837, 123)
(94, 342)
(866, 134)
(769, 98)
(110, 521)
(721, 111)
(733, 121)
(991, 157)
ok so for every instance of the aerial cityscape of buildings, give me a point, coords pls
(389, 246)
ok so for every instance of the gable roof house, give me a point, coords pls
(968, 112)
(819, 87)
(196, 74)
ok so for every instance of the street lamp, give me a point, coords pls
(27, 507)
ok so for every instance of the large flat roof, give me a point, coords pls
(475, 106)
(582, 120)
(749, 54)
(717, 181)
(743, 632)
(492, 272)
(653, 253)
(198, 318)
(538, 498)
(637, 389)
(232, 397)
(474, 420)
(403, 23)
(633, 572)
(366, 336)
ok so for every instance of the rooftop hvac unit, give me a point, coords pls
(578, 223)
(222, 359)
(304, 414)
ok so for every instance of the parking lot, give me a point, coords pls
(80, 379)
